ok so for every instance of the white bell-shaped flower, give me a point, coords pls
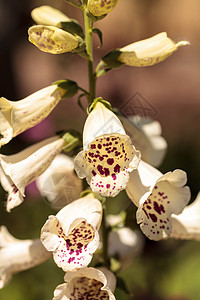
(18, 116)
(146, 137)
(18, 255)
(157, 197)
(187, 224)
(150, 51)
(59, 184)
(108, 154)
(72, 235)
(18, 170)
(87, 283)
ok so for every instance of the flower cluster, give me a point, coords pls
(117, 155)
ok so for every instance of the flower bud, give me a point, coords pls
(101, 7)
(52, 39)
(149, 51)
(47, 15)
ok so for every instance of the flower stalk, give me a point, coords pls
(89, 47)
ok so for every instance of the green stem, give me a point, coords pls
(104, 231)
(89, 47)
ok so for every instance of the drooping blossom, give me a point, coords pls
(87, 283)
(101, 7)
(157, 197)
(146, 137)
(59, 184)
(72, 235)
(150, 51)
(187, 224)
(52, 39)
(18, 170)
(18, 116)
(17, 255)
(108, 154)
(47, 15)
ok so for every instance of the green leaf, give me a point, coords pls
(69, 86)
(72, 27)
(99, 33)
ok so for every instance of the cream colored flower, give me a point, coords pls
(52, 39)
(149, 51)
(18, 170)
(146, 137)
(87, 283)
(157, 197)
(72, 234)
(59, 184)
(18, 255)
(101, 7)
(123, 241)
(47, 15)
(187, 224)
(108, 155)
(18, 116)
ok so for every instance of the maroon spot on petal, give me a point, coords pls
(161, 194)
(107, 172)
(110, 161)
(153, 217)
(94, 173)
(93, 146)
(107, 186)
(99, 146)
(114, 177)
(158, 208)
(117, 168)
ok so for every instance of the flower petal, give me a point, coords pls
(141, 181)
(47, 15)
(72, 234)
(146, 137)
(52, 39)
(18, 116)
(149, 51)
(20, 169)
(107, 163)
(100, 121)
(167, 197)
(187, 224)
(88, 283)
(18, 255)
(59, 184)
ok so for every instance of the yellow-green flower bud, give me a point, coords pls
(101, 7)
(149, 51)
(52, 39)
(47, 15)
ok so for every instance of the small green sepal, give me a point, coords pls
(110, 59)
(70, 87)
(72, 27)
(72, 140)
(99, 99)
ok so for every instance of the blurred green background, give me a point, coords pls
(165, 270)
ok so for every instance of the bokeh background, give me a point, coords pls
(166, 270)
